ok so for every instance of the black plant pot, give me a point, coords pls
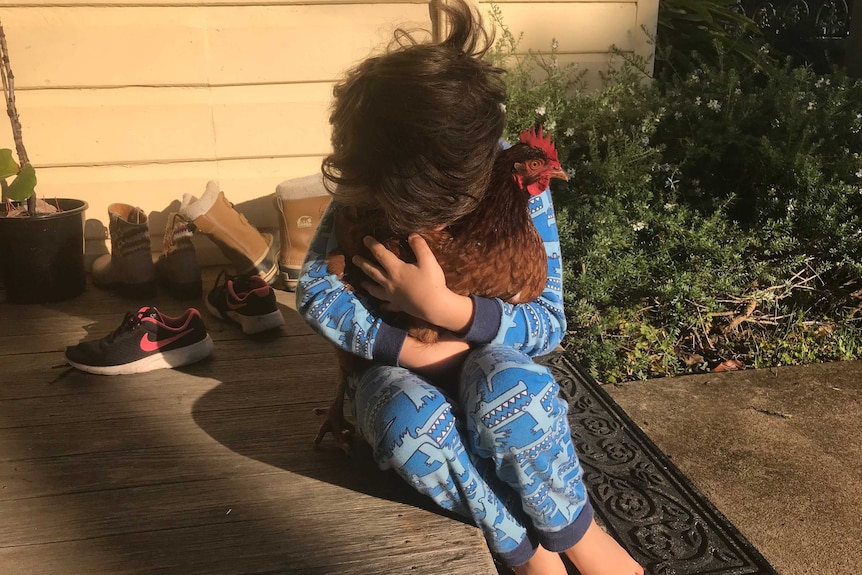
(42, 257)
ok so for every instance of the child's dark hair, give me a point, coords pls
(415, 131)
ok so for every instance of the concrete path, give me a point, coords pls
(778, 451)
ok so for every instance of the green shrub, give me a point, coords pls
(708, 217)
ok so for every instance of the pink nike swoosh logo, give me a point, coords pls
(149, 345)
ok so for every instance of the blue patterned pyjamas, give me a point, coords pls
(500, 453)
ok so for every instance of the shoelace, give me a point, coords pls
(219, 283)
(240, 283)
(130, 322)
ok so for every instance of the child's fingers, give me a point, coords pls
(375, 290)
(383, 256)
(420, 248)
(372, 271)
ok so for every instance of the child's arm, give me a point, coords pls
(352, 322)
(340, 315)
(420, 290)
(536, 327)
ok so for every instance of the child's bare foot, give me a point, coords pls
(597, 553)
(543, 562)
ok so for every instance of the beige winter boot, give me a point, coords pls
(301, 203)
(177, 269)
(250, 251)
(128, 269)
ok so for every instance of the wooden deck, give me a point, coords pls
(207, 469)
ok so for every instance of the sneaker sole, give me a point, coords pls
(250, 325)
(169, 359)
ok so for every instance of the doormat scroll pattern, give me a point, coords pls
(640, 496)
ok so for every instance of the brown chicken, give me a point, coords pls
(495, 251)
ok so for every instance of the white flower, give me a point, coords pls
(697, 101)
(738, 91)
(540, 110)
(645, 141)
(570, 132)
(638, 226)
(551, 125)
(775, 123)
(677, 115)
(859, 174)
(670, 207)
(554, 44)
(503, 108)
(811, 105)
(571, 173)
(714, 105)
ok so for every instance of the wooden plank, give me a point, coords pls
(578, 27)
(182, 505)
(167, 125)
(206, 469)
(386, 546)
(272, 120)
(195, 3)
(87, 46)
(308, 43)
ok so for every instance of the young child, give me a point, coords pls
(470, 421)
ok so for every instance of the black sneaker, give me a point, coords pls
(245, 300)
(145, 341)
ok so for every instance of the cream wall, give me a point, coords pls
(142, 101)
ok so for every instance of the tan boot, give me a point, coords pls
(301, 203)
(128, 269)
(250, 251)
(177, 269)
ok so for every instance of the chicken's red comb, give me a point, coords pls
(537, 140)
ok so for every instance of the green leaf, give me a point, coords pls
(8, 165)
(24, 185)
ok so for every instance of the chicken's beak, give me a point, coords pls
(560, 174)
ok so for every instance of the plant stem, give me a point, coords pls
(9, 93)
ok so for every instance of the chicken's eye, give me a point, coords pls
(534, 164)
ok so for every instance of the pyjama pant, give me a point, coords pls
(497, 450)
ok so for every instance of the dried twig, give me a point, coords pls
(746, 313)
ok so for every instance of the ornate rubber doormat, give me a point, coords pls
(640, 496)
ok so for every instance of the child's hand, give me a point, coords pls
(416, 289)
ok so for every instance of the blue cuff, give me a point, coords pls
(388, 344)
(487, 318)
(559, 541)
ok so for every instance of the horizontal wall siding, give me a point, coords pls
(147, 125)
(80, 47)
(578, 27)
(140, 102)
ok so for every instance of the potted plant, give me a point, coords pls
(42, 243)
